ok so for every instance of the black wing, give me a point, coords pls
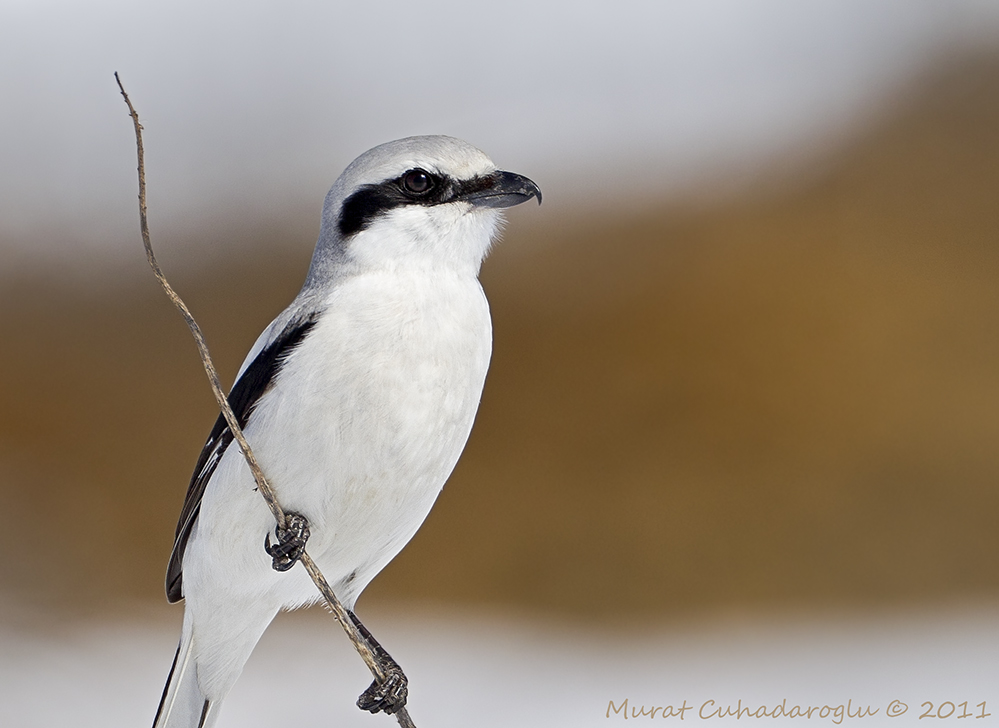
(251, 386)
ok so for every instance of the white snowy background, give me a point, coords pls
(497, 671)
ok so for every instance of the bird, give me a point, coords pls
(357, 400)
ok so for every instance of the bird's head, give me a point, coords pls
(427, 200)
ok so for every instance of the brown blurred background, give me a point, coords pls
(789, 397)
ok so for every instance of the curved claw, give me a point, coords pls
(388, 695)
(291, 542)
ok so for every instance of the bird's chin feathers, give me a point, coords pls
(454, 236)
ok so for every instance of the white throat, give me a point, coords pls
(452, 236)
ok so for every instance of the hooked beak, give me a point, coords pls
(503, 189)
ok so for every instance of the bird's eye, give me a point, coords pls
(418, 182)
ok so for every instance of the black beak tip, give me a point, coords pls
(529, 188)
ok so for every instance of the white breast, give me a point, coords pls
(369, 415)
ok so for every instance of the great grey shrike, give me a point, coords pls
(357, 401)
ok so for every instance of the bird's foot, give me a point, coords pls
(388, 695)
(291, 542)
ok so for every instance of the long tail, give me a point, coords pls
(183, 705)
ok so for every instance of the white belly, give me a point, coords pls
(386, 387)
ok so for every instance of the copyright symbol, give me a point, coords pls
(896, 708)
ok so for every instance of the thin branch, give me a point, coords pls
(262, 485)
(362, 647)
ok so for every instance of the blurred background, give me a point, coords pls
(740, 427)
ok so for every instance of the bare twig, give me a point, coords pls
(362, 647)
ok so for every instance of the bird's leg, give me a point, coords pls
(389, 693)
(291, 541)
(389, 690)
